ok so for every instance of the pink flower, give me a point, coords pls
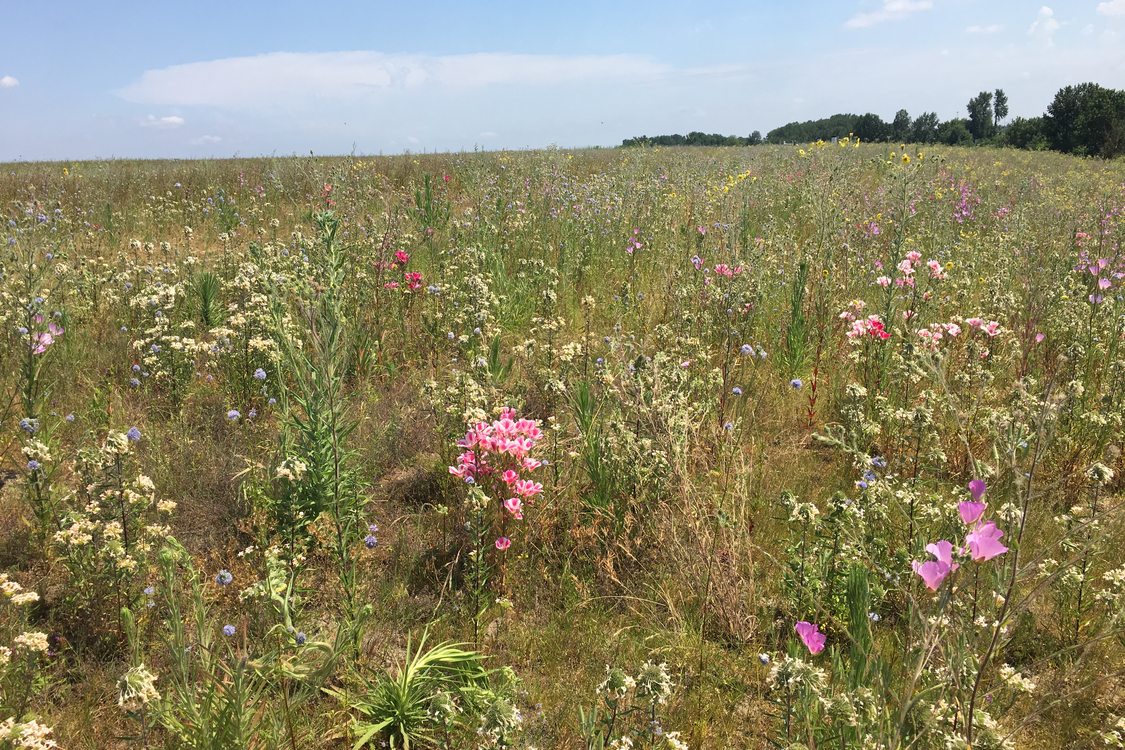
(811, 636)
(914, 256)
(528, 488)
(974, 322)
(971, 511)
(883, 281)
(402, 257)
(992, 328)
(1039, 338)
(977, 488)
(510, 477)
(984, 542)
(514, 506)
(503, 542)
(934, 572)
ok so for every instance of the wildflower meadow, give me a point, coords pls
(774, 446)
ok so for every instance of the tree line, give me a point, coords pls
(1085, 119)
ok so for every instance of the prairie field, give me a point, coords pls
(761, 447)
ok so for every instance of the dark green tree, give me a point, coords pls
(1087, 119)
(955, 132)
(925, 128)
(870, 127)
(900, 128)
(1027, 132)
(999, 107)
(754, 139)
(980, 116)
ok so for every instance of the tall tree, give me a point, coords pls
(1087, 119)
(999, 106)
(900, 128)
(870, 127)
(925, 128)
(980, 115)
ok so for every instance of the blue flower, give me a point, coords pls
(229, 630)
(259, 374)
(879, 462)
(736, 391)
(233, 415)
(370, 541)
(796, 384)
(133, 434)
(746, 349)
(224, 577)
(33, 465)
(301, 638)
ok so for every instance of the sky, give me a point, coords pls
(81, 80)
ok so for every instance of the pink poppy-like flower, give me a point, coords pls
(934, 572)
(984, 542)
(510, 477)
(811, 636)
(514, 506)
(977, 488)
(528, 488)
(503, 542)
(971, 512)
(883, 281)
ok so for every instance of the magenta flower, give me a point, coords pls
(977, 488)
(971, 511)
(502, 543)
(934, 572)
(811, 636)
(984, 542)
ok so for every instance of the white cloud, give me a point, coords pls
(285, 78)
(1112, 8)
(1044, 26)
(206, 140)
(162, 123)
(892, 10)
(992, 28)
(9, 82)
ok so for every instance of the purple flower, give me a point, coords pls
(370, 541)
(984, 542)
(971, 511)
(233, 415)
(229, 630)
(259, 374)
(811, 636)
(224, 577)
(133, 434)
(33, 465)
(301, 638)
(934, 572)
(795, 384)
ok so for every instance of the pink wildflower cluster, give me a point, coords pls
(933, 335)
(634, 243)
(722, 269)
(982, 542)
(42, 340)
(1102, 274)
(501, 451)
(411, 280)
(861, 327)
(990, 327)
(907, 267)
(966, 203)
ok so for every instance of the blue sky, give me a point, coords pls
(178, 79)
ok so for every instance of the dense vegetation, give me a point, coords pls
(810, 447)
(1086, 120)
